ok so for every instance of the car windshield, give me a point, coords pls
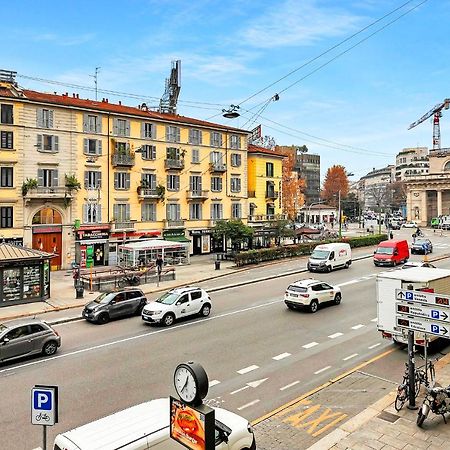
(294, 288)
(103, 298)
(421, 241)
(385, 250)
(320, 254)
(169, 298)
(2, 328)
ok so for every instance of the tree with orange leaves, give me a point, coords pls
(335, 180)
(293, 187)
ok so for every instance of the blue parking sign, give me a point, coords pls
(409, 295)
(44, 405)
(434, 314)
(42, 400)
(434, 328)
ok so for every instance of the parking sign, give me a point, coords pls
(44, 405)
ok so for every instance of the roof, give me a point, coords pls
(65, 100)
(149, 244)
(12, 252)
(416, 274)
(306, 282)
(23, 321)
(255, 149)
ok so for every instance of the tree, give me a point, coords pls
(398, 194)
(280, 229)
(381, 196)
(293, 187)
(335, 180)
(234, 230)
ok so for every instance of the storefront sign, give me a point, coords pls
(47, 229)
(173, 233)
(199, 232)
(92, 235)
(13, 241)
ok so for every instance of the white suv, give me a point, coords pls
(310, 293)
(176, 304)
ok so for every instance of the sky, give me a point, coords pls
(349, 81)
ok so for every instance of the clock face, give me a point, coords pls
(185, 384)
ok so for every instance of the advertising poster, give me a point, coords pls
(191, 426)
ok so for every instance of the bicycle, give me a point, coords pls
(403, 388)
(129, 280)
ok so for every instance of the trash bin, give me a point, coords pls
(217, 264)
(79, 289)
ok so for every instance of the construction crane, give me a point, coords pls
(436, 111)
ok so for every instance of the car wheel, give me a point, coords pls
(347, 265)
(103, 318)
(337, 299)
(49, 348)
(314, 306)
(329, 268)
(206, 309)
(168, 320)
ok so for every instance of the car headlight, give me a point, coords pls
(322, 263)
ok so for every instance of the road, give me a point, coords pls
(257, 353)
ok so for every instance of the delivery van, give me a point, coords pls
(147, 426)
(391, 253)
(327, 257)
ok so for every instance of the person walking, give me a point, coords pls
(159, 264)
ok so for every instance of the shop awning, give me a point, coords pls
(177, 239)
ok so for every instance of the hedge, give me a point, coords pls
(289, 251)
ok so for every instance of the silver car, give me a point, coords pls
(23, 337)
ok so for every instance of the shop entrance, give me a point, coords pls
(197, 245)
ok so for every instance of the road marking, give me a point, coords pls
(350, 357)
(346, 283)
(289, 385)
(239, 390)
(357, 327)
(335, 335)
(281, 356)
(322, 370)
(374, 320)
(213, 383)
(254, 402)
(256, 383)
(374, 345)
(247, 369)
(310, 345)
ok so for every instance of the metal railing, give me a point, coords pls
(197, 195)
(177, 223)
(126, 159)
(174, 163)
(267, 217)
(44, 191)
(148, 193)
(122, 225)
(271, 194)
(218, 167)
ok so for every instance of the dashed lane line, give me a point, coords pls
(214, 383)
(357, 327)
(349, 357)
(374, 345)
(374, 320)
(310, 345)
(254, 402)
(247, 369)
(322, 370)
(281, 356)
(289, 385)
(239, 390)
(335, 335)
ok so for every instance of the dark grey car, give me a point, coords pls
(23, 337)
(112, 305)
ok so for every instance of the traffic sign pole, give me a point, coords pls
(44, 437)
(412, 370)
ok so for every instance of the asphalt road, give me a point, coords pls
(257, 353)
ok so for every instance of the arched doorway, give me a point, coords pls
(47, 234)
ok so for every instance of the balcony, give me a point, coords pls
(148, 193)
(271, 194)
(122, 159)
(122, 225)
(217, 167)
(267, 218)
(177, 223)
(49, 193)
(251, 194)
(174, 164)
(197, 195)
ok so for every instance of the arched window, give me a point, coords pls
(447, 166)
(47, 216)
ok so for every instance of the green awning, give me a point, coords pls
(177, 239)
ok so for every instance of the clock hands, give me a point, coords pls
(185, 383)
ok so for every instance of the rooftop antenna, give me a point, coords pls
(95, 77)
(168, 102)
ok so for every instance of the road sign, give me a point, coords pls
(423, 325)
(425, 311)
(44, 405)
(429, 298)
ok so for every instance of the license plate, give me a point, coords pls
(293, 295)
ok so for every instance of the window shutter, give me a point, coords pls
(239, 160)
(55, 143)
(98, 124)
(127, 128)
(127, 212)
(168, 182)
(99, 180)
(177, 134)
(191, 136)
(40, 118)
(115, 128)
(55, 180)
(40, 177)
(99, 213)
(177, 183)
(199, 185)
(199, 137)
(115, 211)
(50, 119)
(153, 181)
(191, 183)
(153, 152)
(127, 181)
(86, 179)
(85, 145)
(177, 209)
(143, 130)
(85, 211)
(238, 142)
(85, 123)
(39, 142)
(99, 147)
(116, 180)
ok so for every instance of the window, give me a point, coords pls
(269, 169)
(216, 211)
(173, 182)
(148, 130)
(173, 153)
(236, 210)
(92, 147)
(148, 152)
(195, 183)
(44, 118)
(47, 143)
(216, 184)
(121, 180)
(6, 139)
(235, 159)
(6, 177)
(6, 217)
(92, 213)
(235, 184)
(172, 134)
(195, 211)
(173, 211)
(121, 127)
(195, 136)
(270, 189)
(195, 156)
(121, 212)
(148, 212)
(6, 115)
(216, 158)
(18, 332)
(92, 179)
(235, 141)
(36, 328)
(216, 139)
(48, 177)
(148, 180)
(92, 123)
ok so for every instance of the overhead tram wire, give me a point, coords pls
(336, 46)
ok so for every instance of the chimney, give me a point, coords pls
(78, 95)
(73, 94)
(103, 99)
(67, 94)
(106, 100)
(120, 103)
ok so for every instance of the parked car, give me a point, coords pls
(411, 264)
(410, 224)
(176, 304)
(311, 294)
(391, 253)
(23, 337)
(422, 245)
(113, 305)
(394, 225)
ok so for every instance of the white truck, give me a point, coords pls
(415, 278)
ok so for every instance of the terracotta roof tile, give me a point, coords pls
(256, 149)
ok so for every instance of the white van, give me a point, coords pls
(146, 426)
(327, 257)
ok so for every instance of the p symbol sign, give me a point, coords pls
(44, 405)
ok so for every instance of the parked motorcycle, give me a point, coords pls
(437, 400)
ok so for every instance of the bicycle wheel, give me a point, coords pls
(432, 372)
(419, 378)
(400, 399)
(122, 282)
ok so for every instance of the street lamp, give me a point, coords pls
(309, 210)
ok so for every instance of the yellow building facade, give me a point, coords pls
(91, 175)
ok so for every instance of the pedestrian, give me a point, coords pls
(391, 235)
(159, 264)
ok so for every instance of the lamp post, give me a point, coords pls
(309, 210)
(339, 214)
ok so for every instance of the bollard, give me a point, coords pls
(217, 264)
(79, 289)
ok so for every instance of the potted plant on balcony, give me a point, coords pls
(71, 182)
(30, 183)
(160, 191)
